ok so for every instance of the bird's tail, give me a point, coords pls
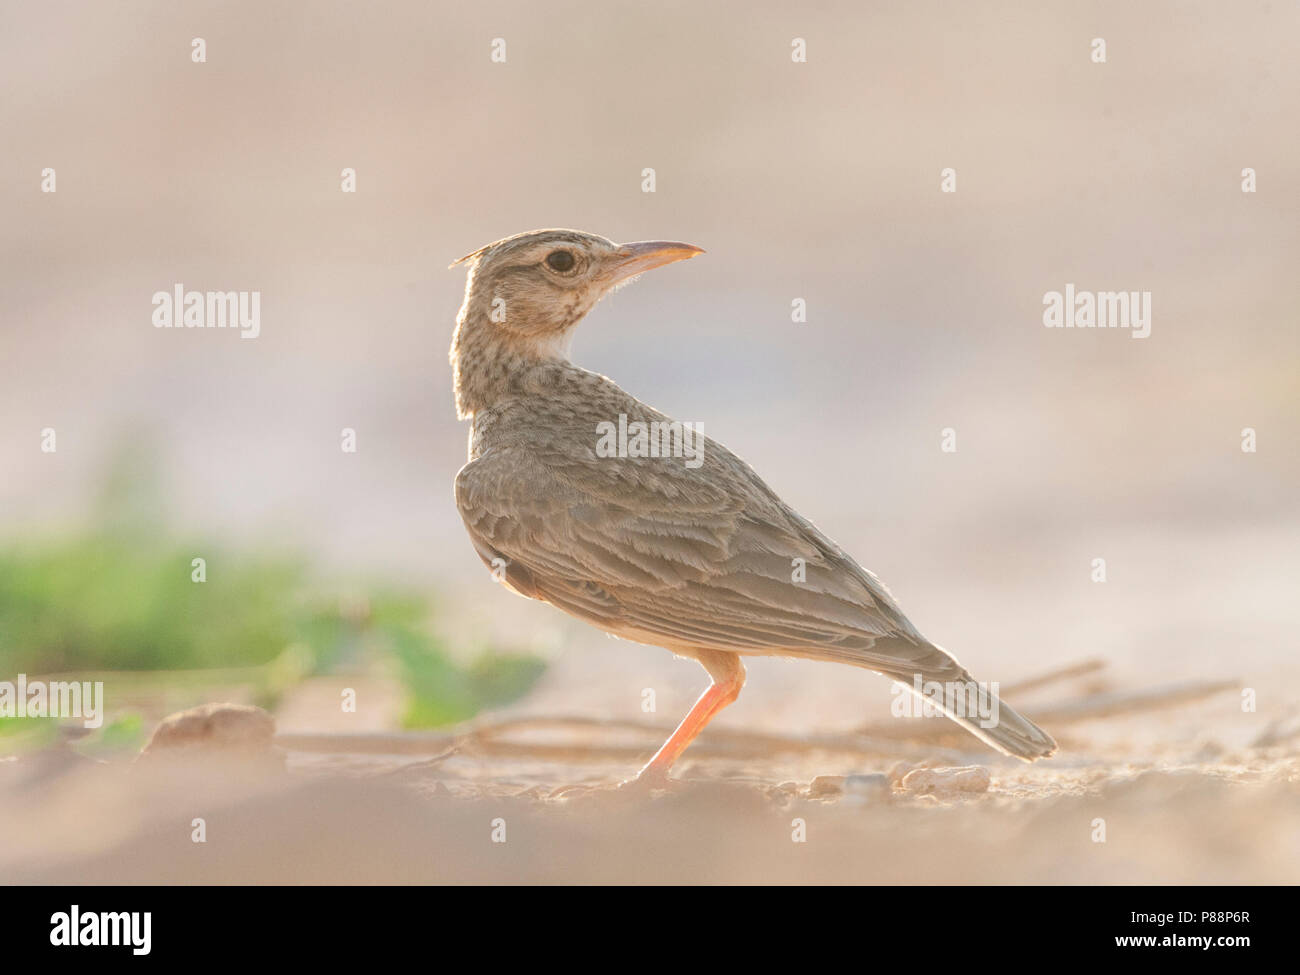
(935, 676)
(1012, 734)
(979, 710)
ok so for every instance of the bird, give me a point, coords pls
(694, 556)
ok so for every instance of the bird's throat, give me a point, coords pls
(491, 363)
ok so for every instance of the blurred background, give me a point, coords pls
(816, 180)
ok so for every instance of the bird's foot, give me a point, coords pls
(638, 787)
(651, 779)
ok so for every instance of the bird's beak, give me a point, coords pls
(645, 255)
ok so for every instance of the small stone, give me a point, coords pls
(968, 778)
(236, 728)
(899, 770)
(825, 786)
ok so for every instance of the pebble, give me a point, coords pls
(825, 786)
(899, 769)
(235, 728)
(968, 778)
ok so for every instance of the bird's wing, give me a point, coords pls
(685, 558)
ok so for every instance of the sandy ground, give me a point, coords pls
(542, 805)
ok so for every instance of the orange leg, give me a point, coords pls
(728, 675)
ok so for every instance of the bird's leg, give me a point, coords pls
(728, 675)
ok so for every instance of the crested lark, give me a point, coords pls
(696, 559)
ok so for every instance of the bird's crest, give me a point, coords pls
(468, 257)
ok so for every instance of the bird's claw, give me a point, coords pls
(646, 782)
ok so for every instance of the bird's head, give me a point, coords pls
(525, 294)
(532, 289)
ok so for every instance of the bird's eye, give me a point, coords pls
(560, 260)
